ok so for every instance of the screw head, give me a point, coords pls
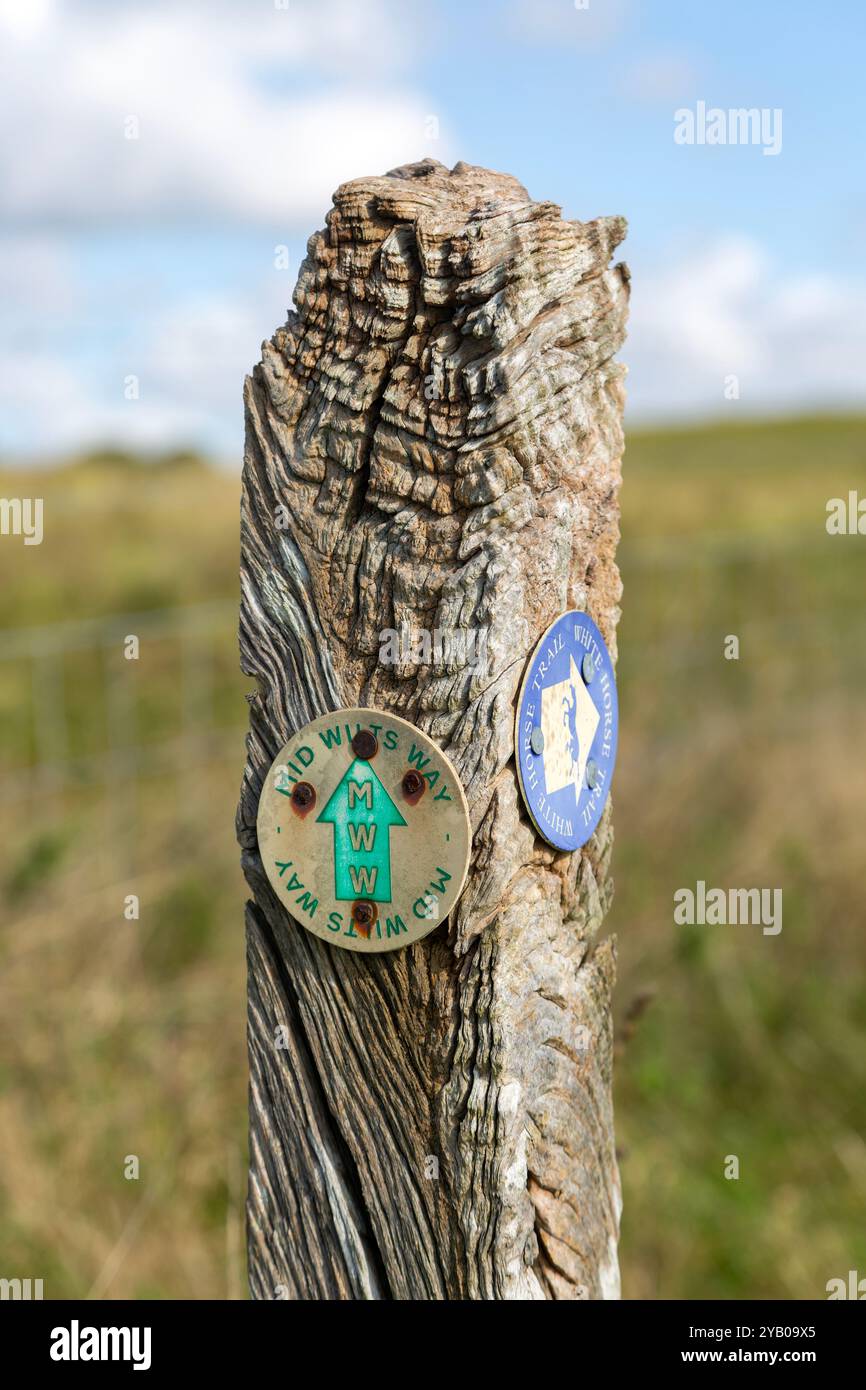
(413, 783)
(365, 745)
(303, 795)
(587, 668)
(363, 914)
(591, 774)
(536, 740)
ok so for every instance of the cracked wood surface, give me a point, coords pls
(433, 439)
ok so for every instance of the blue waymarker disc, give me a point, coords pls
(566, 730)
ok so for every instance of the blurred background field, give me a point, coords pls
(122, 1037)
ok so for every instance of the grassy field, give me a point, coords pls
(746, 773)
(121, 1038)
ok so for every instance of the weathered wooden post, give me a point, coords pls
(433, 445)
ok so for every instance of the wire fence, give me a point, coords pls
(199, 672)
(37, 660)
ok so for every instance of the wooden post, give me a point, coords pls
(433, 442)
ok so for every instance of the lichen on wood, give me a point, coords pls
(433, 442)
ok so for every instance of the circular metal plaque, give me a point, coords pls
(364, 831)
(566, 731)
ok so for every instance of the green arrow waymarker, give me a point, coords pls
(362, 813)
(364, 772)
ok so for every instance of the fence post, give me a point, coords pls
(433, 443)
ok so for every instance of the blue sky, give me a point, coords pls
(154, 257)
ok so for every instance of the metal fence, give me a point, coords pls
(43, 653)
(197, 634)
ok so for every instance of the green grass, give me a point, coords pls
(121, 1037)
(741, 773)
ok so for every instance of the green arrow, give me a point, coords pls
(362, 813)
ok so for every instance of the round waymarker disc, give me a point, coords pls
(364, 831)
(566, 731)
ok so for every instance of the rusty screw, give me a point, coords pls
(365, 745)
(303, 795)
(413, 783)
(364, 913)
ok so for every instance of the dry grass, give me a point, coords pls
(122, 1038)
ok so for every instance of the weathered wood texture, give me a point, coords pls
(441, 418)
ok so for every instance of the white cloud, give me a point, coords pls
(64, 361)
(189, 358)
(247, 114)
(793, 342)
(37, 276)
(228, 125)
(24, 21)
(583, 25)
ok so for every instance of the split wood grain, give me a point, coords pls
(433, 441)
